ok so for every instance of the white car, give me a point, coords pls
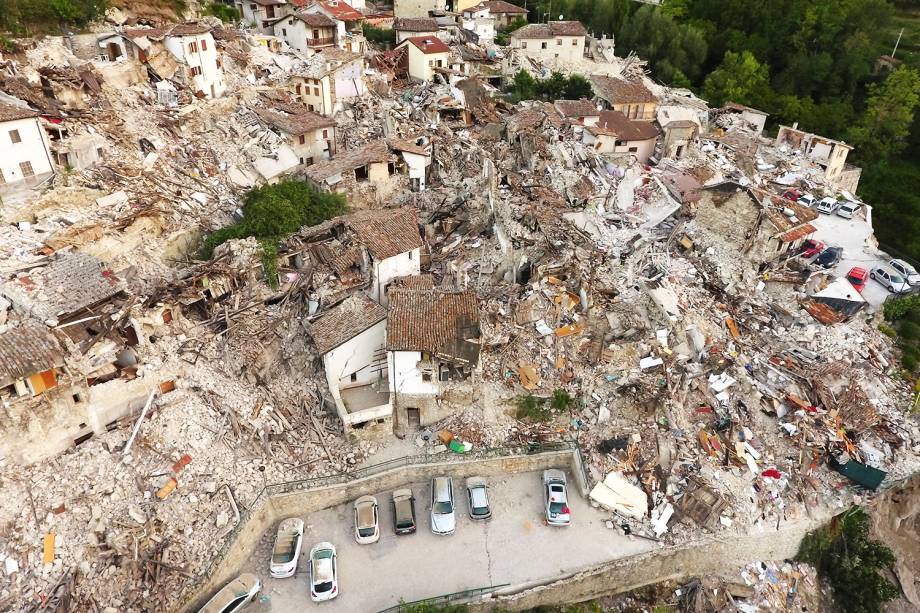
(555, 498)
(367, 526)
(806, 200)
(827, 205)
(443, 518)
(848, 209)
(905, 270)
(234, 596)
(895, 283)
(324, 574)
(286, 551)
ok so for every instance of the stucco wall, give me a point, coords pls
(32, 148)
(354, 356)
(400, 265)
(211, 79)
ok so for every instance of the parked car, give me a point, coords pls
(477, 494)
(905, 270)
(403, 512)
(827, 205)
(829, 257)
(324, 573)
(443, 519)
(555, 499)
(286, 551)
(848, 209)
(812, 247)
(806, 200)
(895, 283)
(792, 195)
(234, 596)
(367, 529)
(857, 278)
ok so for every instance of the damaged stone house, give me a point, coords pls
(411, 27)
(504, 13)
(556, 40)
(426, 54)
(631, 98)
(479, 21)
(306, 31)
(829, 154)
(351, 338)
(348, 20)
(433, 343)
(417, 154)
(185, 53)
(63, 386)
(328, 80)
(760, 230)
(25, 156)
(367, 172)
(309, 135)
(261, 13)
(615, 134)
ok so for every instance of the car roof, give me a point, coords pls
(901, 263)
(404, 493)
(322, 570)
(365, 514)
(230, 592)
(857, 271)
(479, 495)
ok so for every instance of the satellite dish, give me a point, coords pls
(560, 17)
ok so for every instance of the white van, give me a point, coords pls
(827, 205)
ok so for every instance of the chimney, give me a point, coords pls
(795, 125)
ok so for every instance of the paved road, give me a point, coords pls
(513, 547)
(853, 235)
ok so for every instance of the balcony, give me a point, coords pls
(320, 42)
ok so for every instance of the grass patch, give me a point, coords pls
(225, 13)
(850, 561)
(534, 408)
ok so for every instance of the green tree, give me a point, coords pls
(673, 50)
(883, 130)
(227, 14)
(577, 87)
(740, 78)
(524, 87)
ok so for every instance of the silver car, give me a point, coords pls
(234, 596)
(367, 525)
(443, 518)
(286, 551)
(905, 270)
(477, 494)
(555, 498)
(848, 209)
(895, 283)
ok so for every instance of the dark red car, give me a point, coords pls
(792, 195)
(812, 247)
(857, 278)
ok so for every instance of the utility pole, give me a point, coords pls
(897, 42)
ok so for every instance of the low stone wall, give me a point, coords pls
(701, 557)
(269, 511)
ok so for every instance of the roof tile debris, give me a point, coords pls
(375, 151)
(415, 24)
(9, 112)
(443, 323)
(500, 7)
(294, 119)
(345, 321)
(575, 108)
(70, 283)
(386, 232)
(619, 91)
(27, 349)
(341, 10)
(615, 123)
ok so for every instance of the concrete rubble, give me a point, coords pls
(710, 388)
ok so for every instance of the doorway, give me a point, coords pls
(413, 419)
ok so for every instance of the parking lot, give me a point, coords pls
(853, 236)
(513, 547)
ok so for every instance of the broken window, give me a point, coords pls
(361, 173)
(574, 42)
(26, 168)
(14, 137)
(196, 71)
(316, 91)
(353, 377)
(283, 31)
(559, 42)
(193, 47)
(325, 134)
(204, 45)
(297, 89)
(633, 149)
(303, 139)
(543, 45)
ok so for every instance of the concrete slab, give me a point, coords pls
(513, 547)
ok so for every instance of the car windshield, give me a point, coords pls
(443, 507)
(556, 507)
(322, 587)
(896, 278)
(365, 532)
(855, 278)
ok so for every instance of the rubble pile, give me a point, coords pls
(645, 295)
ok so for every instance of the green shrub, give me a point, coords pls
(561, 399)
(849, 560)
(887, 330)
(533, 408)
(225, 13)
(380, 36)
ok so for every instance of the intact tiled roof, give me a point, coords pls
(294, 121)
(341, 10)
(316, 20)
(498, 7)
(415, 24)
(550, 30)
(386, 232)
(345, 321)
(424, 281)
(376, 151)
(615, 123)
(575, 108)
(618, 91)
(69, 284)
(188, 29)
(9, 112)
(428, 44)
(443, 323)
(27, 349)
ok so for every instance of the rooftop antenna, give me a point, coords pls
(897, 42)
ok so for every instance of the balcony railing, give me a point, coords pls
(320, 42)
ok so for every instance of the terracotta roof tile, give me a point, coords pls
(27, 349)
(575, 108)
(316, 20)
(375, 151)
(9, 112)
(188, 29)
(415, 24)
(550, 30)
(386, 232)
(345, 321)
(428, 44)
(618, 91)
(341, 10)
(442, 323)
(293, 120)
(498, 7)
(615, 123)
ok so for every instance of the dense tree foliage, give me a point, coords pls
(22, 17)
(556, 87)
